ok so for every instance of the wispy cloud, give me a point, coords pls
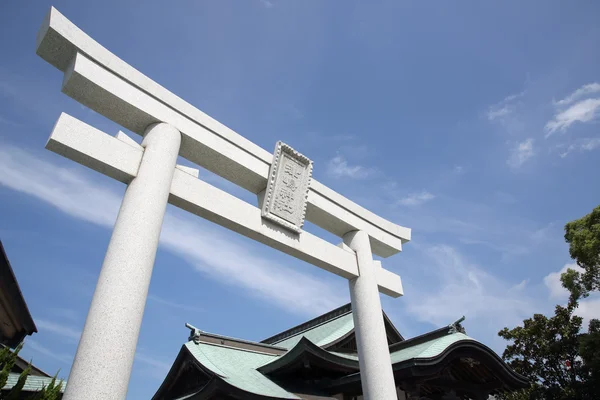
(583, 111)
(504, 108)
(65, 313)
(456, 286)
(62, 188)
(588, 308)
(184, 307)
(580, 106)
(338, 167)
(6, 121)
(416, 199)
(506, 250)
(494, 113)
(520, 153)
(267, 3)
(201, 245)
(589, 144)
(553, 283)
(41, 349)
(158, 368)
(458, 169)
(584, 144)
(583, 91)
(62, 330)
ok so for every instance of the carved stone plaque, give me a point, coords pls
(287, 190)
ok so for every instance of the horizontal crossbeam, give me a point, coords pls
(100, 80)
(120, 160)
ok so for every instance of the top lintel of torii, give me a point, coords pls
(100, 80)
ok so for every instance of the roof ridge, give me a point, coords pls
(234, 348)
(307, 325)
(234, 339)
(426, 337)
(314, 326)
(317, 321)
(450, 329)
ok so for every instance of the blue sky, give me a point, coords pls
(474, 124)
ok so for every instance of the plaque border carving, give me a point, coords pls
(281, 148)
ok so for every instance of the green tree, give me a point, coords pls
(7, 362)
(50, 392)
(546, 350)
(583, 236)
(561, 361)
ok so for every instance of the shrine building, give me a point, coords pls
(318, 360)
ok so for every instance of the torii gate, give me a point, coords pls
(286, 196)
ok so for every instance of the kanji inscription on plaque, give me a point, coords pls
(289, 180)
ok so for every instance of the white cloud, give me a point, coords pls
(590, 144)
(519, 154)
(200, 244)
(62, 188)
(588, 308)
(458, 169)
(520, 286)
(584, 144)
(152, 361)
(584, 111)
(455, 286)
(184, 307)
(545, 233)
(554, 285)
(416, 199)
(494, 113)
(338, 168)
(38, 348)
(158, 368)
(58, 329)
(504, 108)
(583, 91)
(65, 313)
(222, 259)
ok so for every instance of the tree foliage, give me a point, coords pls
(561, 360)
(547, 351)
(583, 236)
(8, 359)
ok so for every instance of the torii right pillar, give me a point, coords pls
(374, 359)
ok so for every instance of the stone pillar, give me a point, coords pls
(105, 354)
(373, 354)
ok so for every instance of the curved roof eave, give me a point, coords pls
(218, 386)
(499, 367)
(497, 364)
(172, 374)
(305, 346)
(13, 304)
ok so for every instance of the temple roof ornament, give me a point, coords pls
(194, 333)
(457, 327)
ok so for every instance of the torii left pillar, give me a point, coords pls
(105, 354)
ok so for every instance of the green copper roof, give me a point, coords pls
(428, 349)
(322, 334)
(32, 384)
(246, 366)
(238, 368)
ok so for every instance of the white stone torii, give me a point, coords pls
(171, 127)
